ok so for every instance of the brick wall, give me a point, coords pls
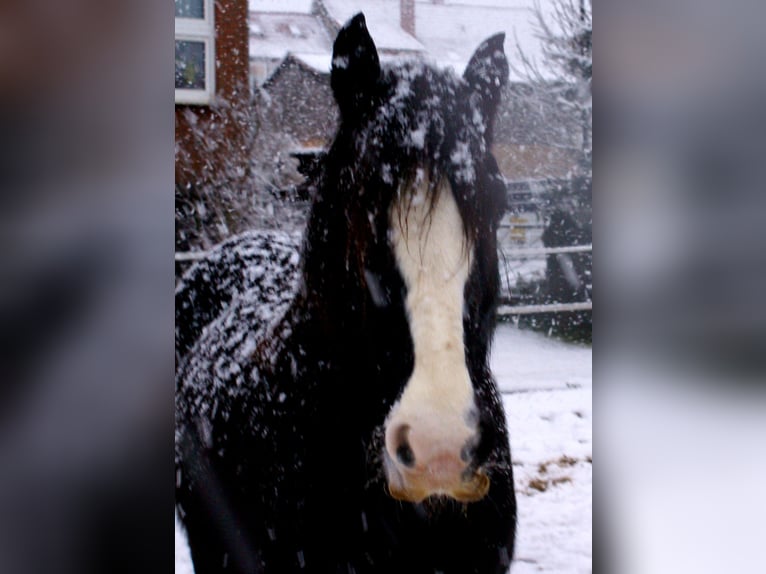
(231, 80)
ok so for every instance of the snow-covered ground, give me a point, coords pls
(183, 559)
(547, 390)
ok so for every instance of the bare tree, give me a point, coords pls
(562, 81)
(566, 33)
(239, 179)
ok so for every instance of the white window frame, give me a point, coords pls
(199, 30)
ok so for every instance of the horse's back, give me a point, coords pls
(257, 265)
(225, 303)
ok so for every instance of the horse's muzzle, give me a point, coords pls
(441, 476)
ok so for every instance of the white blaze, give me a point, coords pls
(434, 260)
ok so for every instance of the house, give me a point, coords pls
(279, 28)
(211, 66)
(280, 50)
(290, 57)
(290, 50)
(535, 138)
(291, 47)
(391, 24)
(302, 103)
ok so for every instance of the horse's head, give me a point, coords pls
(419, 195)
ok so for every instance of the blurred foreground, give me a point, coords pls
(681, 338)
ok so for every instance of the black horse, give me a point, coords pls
(339, 415)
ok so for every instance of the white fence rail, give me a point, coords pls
(524, 253)
(507, 310)
(184, 256)
(538, 251)
(503, 310)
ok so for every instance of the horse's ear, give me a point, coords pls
(487, 73)
(355, 68)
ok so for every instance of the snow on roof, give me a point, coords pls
(281, 6)
(452, 31)
(272, 36)
(448, 32)
(479, 3)
(382, 20)
(313, 62)
(318, 62)
(323, 62)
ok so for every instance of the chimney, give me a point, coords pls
(407, 16)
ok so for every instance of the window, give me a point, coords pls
(195, 52)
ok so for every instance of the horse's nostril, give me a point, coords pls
(405, 455)
(472, 417)
(468, 451)
(403, 449)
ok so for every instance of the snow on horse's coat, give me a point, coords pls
(337, 414)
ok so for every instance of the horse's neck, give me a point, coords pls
(330, 271)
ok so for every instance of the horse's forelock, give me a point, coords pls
(425, 126)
